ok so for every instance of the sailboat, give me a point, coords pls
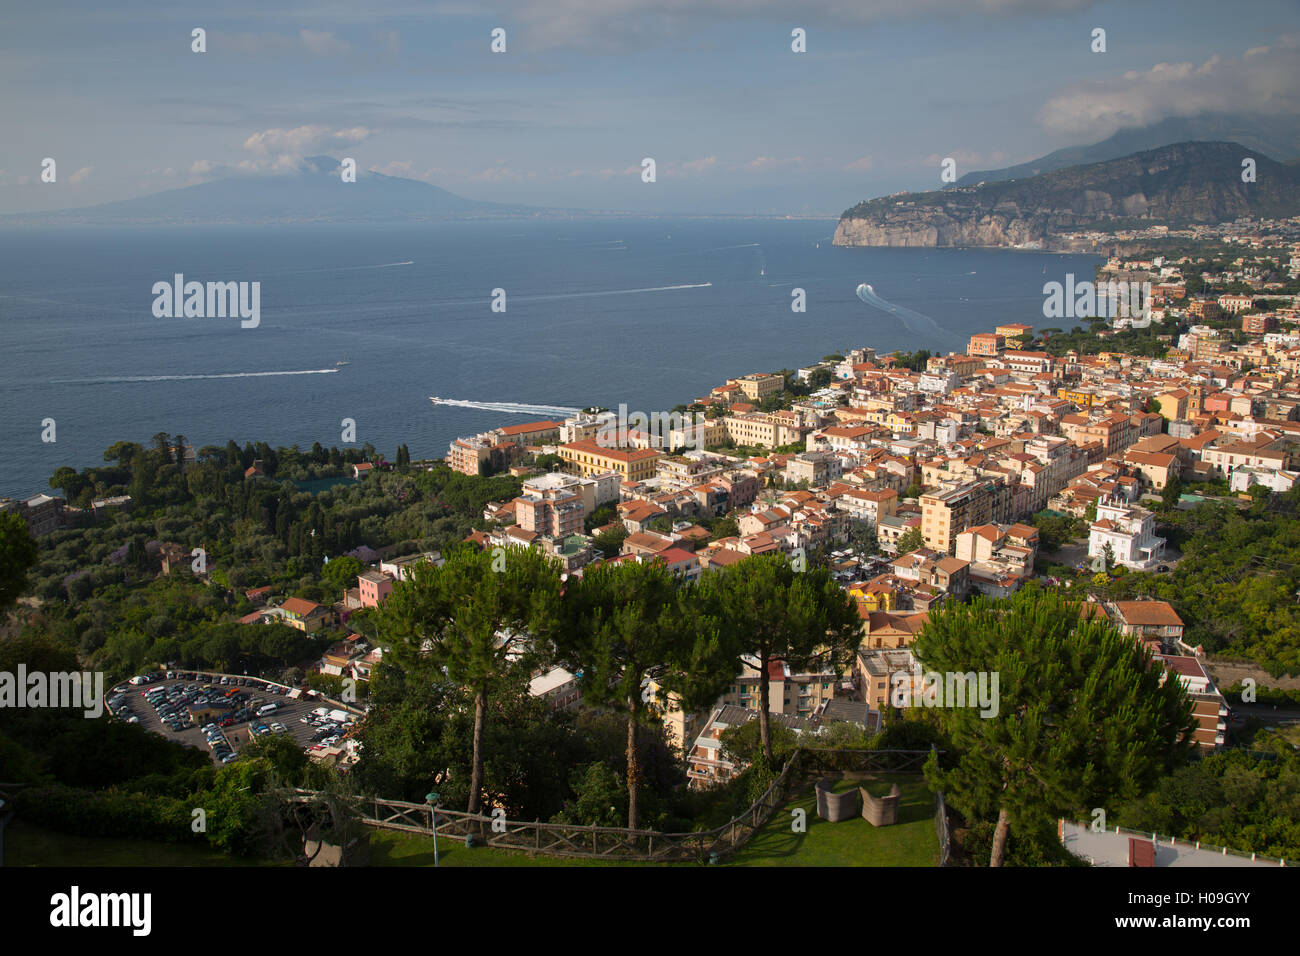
(342, 363)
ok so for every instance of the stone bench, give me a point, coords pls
(881, 811)
(835, 807)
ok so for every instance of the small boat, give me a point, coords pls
(342, 363)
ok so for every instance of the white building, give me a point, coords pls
(1128, 529)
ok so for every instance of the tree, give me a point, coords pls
(910, 541)
(914, 490)
(777, 614)
(471, 618)
(1080, 718)
(1172, 492)
(341, 572)
(626, 624)
(17, 555)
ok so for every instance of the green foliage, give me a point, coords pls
(1055, 530)
(1082, 720)
(17, 555)
(1231, 799)
(774, 613)
(471, 619)
(910, 540)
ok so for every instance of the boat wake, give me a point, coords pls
(912, 320)
(507, 408)
(591, 295)
(131, 379)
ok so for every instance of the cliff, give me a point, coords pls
(1178, 185)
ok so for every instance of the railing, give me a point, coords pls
(620, 843)
(941, 825)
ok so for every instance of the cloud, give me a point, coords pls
(862, 164)
(1263, 80)
(81, 175)
(761, 164)
(692, 167)
(322, 43)
(304, 140)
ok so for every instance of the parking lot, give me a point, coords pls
(163, 707)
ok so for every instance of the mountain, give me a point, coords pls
(1178, 185)
(315, 192)
(1270, 135)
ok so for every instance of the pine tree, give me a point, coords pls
(775, 614)
(473, 617)
(1081, 717)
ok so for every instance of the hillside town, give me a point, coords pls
(946, 463)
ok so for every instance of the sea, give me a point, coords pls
(513, 320)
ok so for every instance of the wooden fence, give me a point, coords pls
(619, 843)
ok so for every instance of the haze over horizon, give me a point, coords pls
(736, 121)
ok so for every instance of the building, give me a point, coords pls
(1128, 530)
(307, 616)
(1154, 623)
(987, 344)
(558, 688)
(1209, 709)
(43, 513)
(589, 458)
(874, 670)
(818, 468)
(945, 514)
(758, 385)
(373, 586)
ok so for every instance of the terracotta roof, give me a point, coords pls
(1148, 613)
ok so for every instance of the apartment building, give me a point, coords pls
(987, 344)
(874, 670)
(596, 489)
(1129, 532)
(373, 587)
(758, 385)
(1209, 709)
(818, 468)
(553, 513)
(765, 431)
(944, 514)
(588, 458)
(43, 513)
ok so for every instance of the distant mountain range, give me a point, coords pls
(1270, 135)
(1178, 185)
(313, 193)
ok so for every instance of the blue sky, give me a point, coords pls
(711, 89)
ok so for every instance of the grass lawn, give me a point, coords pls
(29, 845)
(910, 842)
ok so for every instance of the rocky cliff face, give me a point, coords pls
(1175, 185)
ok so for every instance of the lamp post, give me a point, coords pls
(431, 798)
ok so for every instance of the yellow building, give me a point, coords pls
(874, 596)
(590, 458)
(758, 385)
(1082, 399)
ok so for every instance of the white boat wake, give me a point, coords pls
(912, 320)
(507, 408)
(590, 295)
(126, 379)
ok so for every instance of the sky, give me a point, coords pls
(735, 120)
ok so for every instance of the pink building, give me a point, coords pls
(374, 587)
